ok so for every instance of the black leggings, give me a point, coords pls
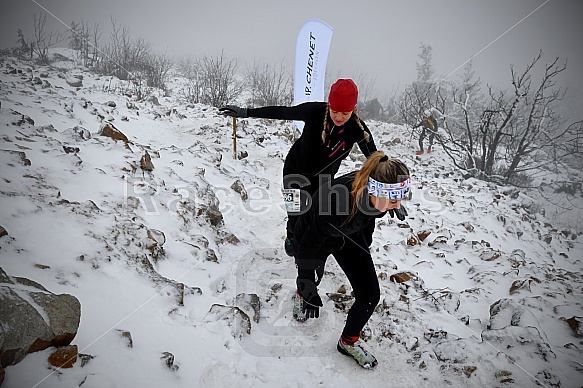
(357, 264)
(423, 135)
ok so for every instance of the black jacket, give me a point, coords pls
(308, 156)
(324, 228)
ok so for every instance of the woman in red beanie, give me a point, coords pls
(330, 130)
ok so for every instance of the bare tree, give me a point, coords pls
(156, 70)
(43, 40)
(24, 49)
(421, 94)
(131, 58)
(188, 68)
(516, 132)
(269, 85)
(85, 41)
(123, 56)
(217, 80)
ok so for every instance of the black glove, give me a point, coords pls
(312, 301)
(400, 213)
(233, 111)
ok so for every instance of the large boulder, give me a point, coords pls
(33, 319)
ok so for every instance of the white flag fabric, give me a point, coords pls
(312, 47)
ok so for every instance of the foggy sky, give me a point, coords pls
(380, 38)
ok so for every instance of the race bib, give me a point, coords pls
(291, 198)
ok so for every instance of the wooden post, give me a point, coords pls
(234, 137)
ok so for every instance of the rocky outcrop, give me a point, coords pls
(109, 130)
(33, 319)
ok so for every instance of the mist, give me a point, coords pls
(378, 39)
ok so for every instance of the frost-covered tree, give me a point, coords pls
(421, 94)
(511, 134)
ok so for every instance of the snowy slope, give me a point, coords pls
(489, 291)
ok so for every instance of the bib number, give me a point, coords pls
(291, 198)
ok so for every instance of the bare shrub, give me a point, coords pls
(43, 40)
(269, 85)
(131, 58)
(211, 80)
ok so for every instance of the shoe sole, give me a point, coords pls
(365, 366)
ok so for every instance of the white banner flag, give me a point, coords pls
(312, 46)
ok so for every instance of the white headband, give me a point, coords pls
(389, 190)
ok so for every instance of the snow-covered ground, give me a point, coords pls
(490, 288)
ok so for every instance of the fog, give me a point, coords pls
(379, 38)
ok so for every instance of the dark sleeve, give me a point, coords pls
(301, 112)
(368, 231)
(367, 147)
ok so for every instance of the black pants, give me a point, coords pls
(356, 262)
(422, 137)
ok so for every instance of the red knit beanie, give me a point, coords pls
(343, 96)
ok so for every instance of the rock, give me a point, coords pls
(73, 81)
(22, 119)
(154, 100)
(469, 227)
(64, 357)
(146, 162)
(249, 303)
(509, 312)
(423, 235)
(71, 150)
(109, 130)
(127, 336)
(576, 323)
(168, 359)
(52, 321)
(3, 232)
(214, 215)
(238, 187)
(80, 133)
(236, 318)
(401, 277)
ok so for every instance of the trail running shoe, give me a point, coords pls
(289, 247)
(420, 152)
(298, 307)
(360, 355)
(429, 150)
